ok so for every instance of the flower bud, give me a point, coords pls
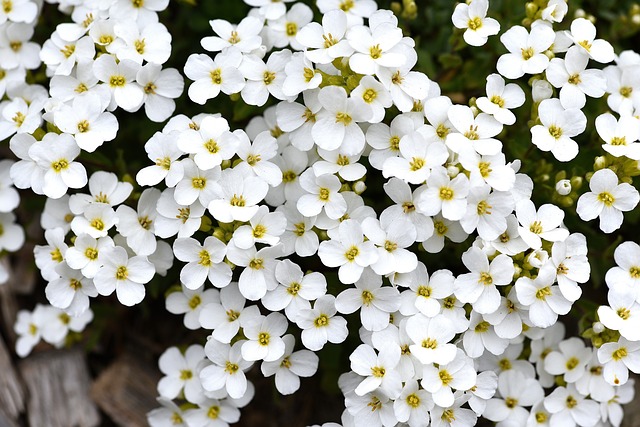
(600, 163)
(541, 90)
(598, 327)
(452, 171)
(563, 187)
(359, 187)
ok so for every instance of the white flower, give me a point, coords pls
(163, 151)
(269, 9)
(378, 370)
(557, 128)
(607, 200)
(516, 392)
(526, 50)
(227, 370)
(320, 324)
(17, 116)
(204, 262)
(258, 156)
(12, 235)
(196, 184)
(487, 212)
(290, 367)
(405, 208)
(214, 76)
(569, 360)
(374, 48)
(618, 358)
(227, 316)
(284, 30)
(160, 88)
(375, 302)
(544, 224)
(324, 194)
(412, 405)
(349, 252)
(472, 17)
(501, 98)
(299, 236)
(190, 303)
(16, 49)
(150, 43)
(373, 93)
(424, 293)
(569, 408)
(626, 274)
(61, 56)
(264, 335)
(121, 80)
(166, 415)
(295, 290)
(622, 314)
(87, 122)
(84, 254)
(211, 142)
(127, 276)
(19, 11)
(576, 81)
(337, 125)
(244, 37)
(29, 327)
(47, 257)
(475, 133)
(71, 291)
(418, 157)
(176, 219)
(301, 76)
(481, 336)
(139, 226)
(479, 286)
(181, 373)
(326, 41)
(55, 155)
(392, 240)
(542, 297)
(264, 79)
(443, 194)
(569, 259)
(258, 276)
(238, 195)
(620, 136)
(355, 9)
(431, 339)
(458, 374)
(583, 34)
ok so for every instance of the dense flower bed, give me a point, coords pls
(363, 204)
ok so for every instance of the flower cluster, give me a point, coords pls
(276, 237)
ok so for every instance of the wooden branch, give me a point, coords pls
(58, 385)
(11, 391)
(126, 391)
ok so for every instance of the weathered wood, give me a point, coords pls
(11, 391)
(6, 420)
(126, 391)
(58, 386)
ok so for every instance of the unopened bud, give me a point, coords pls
(452, 171)
(598, 327)
(541, 90)
(576, 181)
(531, 9)
(359, 187)
(563, 187)
(600, 163)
